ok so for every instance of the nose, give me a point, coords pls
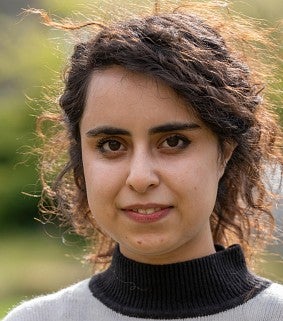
(142, 174)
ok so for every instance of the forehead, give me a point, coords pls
(116, 93)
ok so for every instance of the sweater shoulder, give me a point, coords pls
(54, 306)
(274, 293)
(268, 305)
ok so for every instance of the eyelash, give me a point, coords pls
(185, 142)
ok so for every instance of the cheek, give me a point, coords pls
(103, 183)
(199, 178)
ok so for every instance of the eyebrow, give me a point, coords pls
(107, 130)
(169, 127)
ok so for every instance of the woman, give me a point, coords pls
(169, 140)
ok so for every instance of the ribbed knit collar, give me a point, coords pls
(199, 287)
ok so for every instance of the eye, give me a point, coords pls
(110, 146)
(175, 141)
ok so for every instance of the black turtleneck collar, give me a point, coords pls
(199, 287)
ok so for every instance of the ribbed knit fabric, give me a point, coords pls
(198, 287)
(214, 288)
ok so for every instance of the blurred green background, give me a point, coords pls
(35, 258)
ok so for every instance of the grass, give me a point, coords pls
(7, 303)
(270, 266)
(32, 263)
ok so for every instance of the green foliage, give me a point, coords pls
(27, 63)
(31, 58)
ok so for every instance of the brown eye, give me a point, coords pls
(113, 145)
(175, 141)
(110, 145)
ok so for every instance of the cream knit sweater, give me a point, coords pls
(215, 288)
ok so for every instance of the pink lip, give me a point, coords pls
(147, 218)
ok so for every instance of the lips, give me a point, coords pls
(147, 213)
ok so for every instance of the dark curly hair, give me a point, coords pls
(220, 77)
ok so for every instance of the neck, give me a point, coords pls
(180, 255)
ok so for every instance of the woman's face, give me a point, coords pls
(151, 168)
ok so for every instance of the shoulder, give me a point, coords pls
(272, 294)
(268, 304)
(55, 306)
